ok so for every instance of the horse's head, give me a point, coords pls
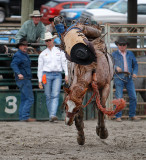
(73, 103)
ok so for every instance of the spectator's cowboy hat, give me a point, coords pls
(48, 36)
(36, 13)
(121, 40)
(22, 42)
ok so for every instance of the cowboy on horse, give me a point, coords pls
(84, 46)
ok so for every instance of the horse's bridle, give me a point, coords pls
(71, 114)
(77, 103)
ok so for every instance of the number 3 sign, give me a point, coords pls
(11, 101)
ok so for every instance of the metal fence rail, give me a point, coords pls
(111, 30)
(134, 31)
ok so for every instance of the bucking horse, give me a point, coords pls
(92, 69)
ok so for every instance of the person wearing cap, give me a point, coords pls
(21, 66)
(51, 26)
(33, 30)
(126, 68)
(51, 63)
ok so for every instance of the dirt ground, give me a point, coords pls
(56, 141)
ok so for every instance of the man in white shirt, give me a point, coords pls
(51, 63)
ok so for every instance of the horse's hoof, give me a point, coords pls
(97, 130)
(102, 132)
(81, 140)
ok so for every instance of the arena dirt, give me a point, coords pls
(56, 141)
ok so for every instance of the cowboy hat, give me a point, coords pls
(122, 40)
(48, 35)
(36, 13)
(21, 42)
(81, 54)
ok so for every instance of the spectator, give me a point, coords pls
(51, 26)
(125, 62)
(51, 63)
(59, 25)
(33, 30)
(21, 66)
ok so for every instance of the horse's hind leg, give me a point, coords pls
(80, 126)
(101, 129)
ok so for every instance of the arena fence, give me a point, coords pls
(10, 95)
(131, 31)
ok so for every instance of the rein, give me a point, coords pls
(89, 101)
(70, 115)
(120, 103)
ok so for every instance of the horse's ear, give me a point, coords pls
(83, 92)
(66, 90)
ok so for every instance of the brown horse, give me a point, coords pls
(83, 77)
(99, 70)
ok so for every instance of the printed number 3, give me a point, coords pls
(11, 103)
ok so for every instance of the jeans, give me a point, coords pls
(52, 91)
(27, 98)
(129, 85)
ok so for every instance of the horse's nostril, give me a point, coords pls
(68, 121)
(70, 124)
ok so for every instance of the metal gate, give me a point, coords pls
(133, 31)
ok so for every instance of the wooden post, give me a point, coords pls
(132, 12)
(27, 7)
(132, 19)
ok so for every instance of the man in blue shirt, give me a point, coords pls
(126, 68)
(21, 66)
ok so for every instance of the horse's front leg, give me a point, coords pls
(101, 129)
(80, 126)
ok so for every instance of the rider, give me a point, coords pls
(82, 48)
